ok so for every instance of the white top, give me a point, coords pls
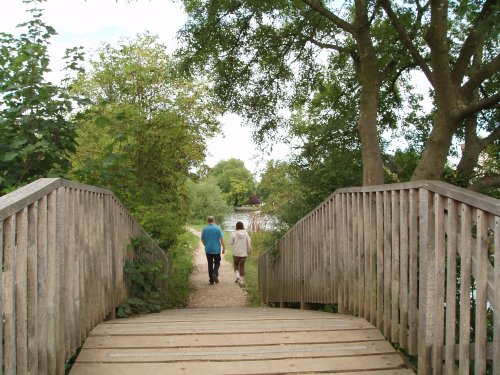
(242, 244)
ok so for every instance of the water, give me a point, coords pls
(252, 220)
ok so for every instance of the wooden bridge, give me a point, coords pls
(410, 263)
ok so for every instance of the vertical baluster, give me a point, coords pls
(380, 259)
(42, 239)
(451, 286)
(496, 299)
(395, 266)
(413, 273)
(481, 291)
(22, 291)
(32, 297)
(9, 282)
(403, 290)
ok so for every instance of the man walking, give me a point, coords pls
(213, 239)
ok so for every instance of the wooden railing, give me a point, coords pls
(64, 246)
(414, 259)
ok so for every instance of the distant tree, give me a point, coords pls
(36, 133)
(235, 181)
(205, 198)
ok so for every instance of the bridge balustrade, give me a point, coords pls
(418, 260)
(63, 246)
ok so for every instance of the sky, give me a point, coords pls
(93, 22)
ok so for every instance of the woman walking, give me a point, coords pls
(242, 245)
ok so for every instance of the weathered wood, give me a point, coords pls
(451, 286)
(465, 276)
(52, 285)
(481, 285)
(32, 296)
(439, 270)
(8, 296)
(413, 276)
(395, 227)
(387, 264)
(313, 341)
(403, 290)
(380, 260)
(21, 291)
(496, 313)
(426, 281)
(1, 292)
(42, 233)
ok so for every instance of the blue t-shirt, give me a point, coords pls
(211, 235)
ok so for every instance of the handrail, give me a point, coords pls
(401, 256)
(64, 245)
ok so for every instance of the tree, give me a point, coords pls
(146, 129)
(36, 135)
(463, 73)
(235, 181)
(259, 52)
(205, 199)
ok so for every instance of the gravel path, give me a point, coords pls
(224, 294)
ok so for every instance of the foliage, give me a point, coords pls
(205, 199)
(35, 131)
(235, 181)
(146, 278)
(146, 129)
(180, 257)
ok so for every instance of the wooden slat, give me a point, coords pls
(355, 256)
(373, 259)
(365, 245)
(61, 281)
(426, 282)
(451, 286)
(32, 296)
(496, 313)
(481, 285)
(403, 290)
(439, 271)
(413, 274)
(1, 292)
(21, 291)
(380, 260)
(8, 295)
(387, 264)
(52, 284)
(465, 276)
(395, 224)
(42, 285)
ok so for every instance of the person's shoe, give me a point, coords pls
(211, 281)
(237, 279)
(241, 281)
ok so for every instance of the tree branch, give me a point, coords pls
(405, 38)
(481, 75)
(485, 182)
(471, 42)
(327, 45)
(469, 110)
(321, 9)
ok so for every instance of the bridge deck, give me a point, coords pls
(237, 341)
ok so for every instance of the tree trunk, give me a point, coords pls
(373, 166)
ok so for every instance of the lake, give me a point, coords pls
(252, 220)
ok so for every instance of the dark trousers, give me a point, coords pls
(213, 264)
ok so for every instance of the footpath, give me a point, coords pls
(226, 293)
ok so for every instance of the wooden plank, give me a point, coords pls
(426, 283)
(339, 246)
(367, 281)
(231, 339)
(21, 308)
(387, 264)
(32, 296)
(465, 288)
(8, 296)
(279, 366)
(42, 285)
(439, 271)
(373, 259)
(1, 293)
(481, 294)
(403, 290)
(380, 261)
(52, 282)
(354, 255)
(496, 313)
(413, 274)
(451, 286)
(395, 224)
(241, 352)
(60, 312)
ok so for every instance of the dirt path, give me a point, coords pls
(224, 294)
